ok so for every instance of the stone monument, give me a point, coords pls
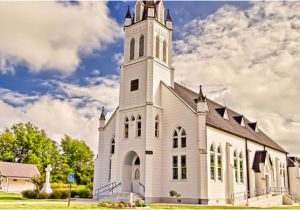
(47, 186)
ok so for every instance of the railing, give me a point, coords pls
(106, 190)
(279, 190)
(143, 186)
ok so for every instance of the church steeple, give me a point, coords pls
(128, 18)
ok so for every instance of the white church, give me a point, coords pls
(163, 136)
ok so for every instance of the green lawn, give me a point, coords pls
(11, 197)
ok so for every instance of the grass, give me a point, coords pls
(14, 197)
(11, 197)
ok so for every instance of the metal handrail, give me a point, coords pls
(110, 190)
(110, 184)
(143, 186)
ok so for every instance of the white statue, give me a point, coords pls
(47, 186)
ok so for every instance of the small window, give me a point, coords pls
(134, 85)
(175, 167)
(212, 162)
(183, 167)
(139, 126)
(112, 149)
(132, 46)
(137, 161)
(156, 127)
(126, 128)
(241, 163)
(219, 163)
(165, 51)
(142, 41)
(175, 140)
(137, 174)
(15, 180)
(235, 163)
(183, 139)
(157, 47)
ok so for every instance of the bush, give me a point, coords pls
(56, 194)
(84, 193)
(25, 193)
(65, 194)
(42, 195)
(139, 204)
(33, 194)
(74, 193)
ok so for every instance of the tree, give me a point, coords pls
(79, 158)
(38, 181)
(25, 143)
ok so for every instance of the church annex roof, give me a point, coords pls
(214, 119)
(18, 170)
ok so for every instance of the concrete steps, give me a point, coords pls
(121, 196)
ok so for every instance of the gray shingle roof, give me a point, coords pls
(20, 170)
(214, 119)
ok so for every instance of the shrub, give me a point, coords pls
(25, 193)
(42, 195)
(33, 194)
(139, 204)
(56, 194)
(64, 194)
(74, 193)
(84, 193)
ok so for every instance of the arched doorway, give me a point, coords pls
(131, 173)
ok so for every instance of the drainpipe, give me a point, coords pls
(247, 166)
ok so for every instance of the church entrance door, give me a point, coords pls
(131, 173)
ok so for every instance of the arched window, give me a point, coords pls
(112, 146)
(179, 134)
(132, 46)
(220, 166)
(235, 163)
(175, 139)
(126, 128)
(141, 46)
(183, 138)
(132, 118)
(165, 51)
(156, 127)
(283, 175)
(241, 169)
(137, 174)
(137, 161)
(212, 162)
(139, 126)
(157, 50)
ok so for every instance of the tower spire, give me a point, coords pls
(128, 14)
(102, 116)
(128, 18)
(201, 97)
(168, 18)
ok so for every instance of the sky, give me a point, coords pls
(59, 62)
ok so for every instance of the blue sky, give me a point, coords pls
(59, 63)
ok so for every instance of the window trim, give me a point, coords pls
(132, 49)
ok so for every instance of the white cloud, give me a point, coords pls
(249, 60)
(72, 109)
(5, 67)
(53, 35)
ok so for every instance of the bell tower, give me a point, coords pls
(147, 54)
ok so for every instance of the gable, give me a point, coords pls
(20, 170)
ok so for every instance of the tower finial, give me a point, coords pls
(102, 116)
(128, 14)
(201, 97)
(168, 18)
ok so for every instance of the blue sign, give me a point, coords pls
(71, 178)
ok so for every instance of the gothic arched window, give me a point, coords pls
(241, 169)
(132, 46)
(212, 162)
(165, 51)
(157, 50)
(112, 146)
(156, 131)
(220, 165)
(126, 128)
(179, 135)
(141, 45)
(138, 126)
(137, 174)
(235, 163)
(175, 139)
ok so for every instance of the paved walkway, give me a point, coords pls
(77, 201)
